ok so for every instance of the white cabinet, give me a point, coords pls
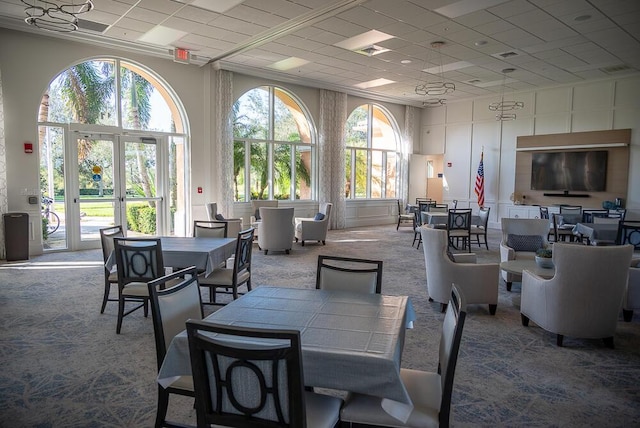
(527, 211)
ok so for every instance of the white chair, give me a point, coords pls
(276, 229)
(234, 225)
(210, 229)
(349, 274)
(308, 229)
(259, 203)
(430, 392)
(478, 282)
(631, 299)
(175, 299)
(521, 237)
(584, 297)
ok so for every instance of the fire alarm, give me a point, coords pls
(199, 189)
(449, 164)
(28, 147)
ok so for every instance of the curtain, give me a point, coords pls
(223, 145)
(331, 152)
(3, 173)
(406, 148)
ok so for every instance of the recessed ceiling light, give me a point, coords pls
(448, 67)
(374, 83)
(481, 43)
(363, 40)
(405, 61)
(161, 35)
(289, 63)
(581, 18)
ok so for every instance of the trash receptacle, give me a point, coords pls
(16, 234)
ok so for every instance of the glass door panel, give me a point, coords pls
(52, 188)
(98, 186)
(142, 202)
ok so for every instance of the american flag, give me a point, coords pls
(480, 182)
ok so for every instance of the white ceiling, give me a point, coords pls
(554, 41)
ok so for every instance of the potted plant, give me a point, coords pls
(543, 257)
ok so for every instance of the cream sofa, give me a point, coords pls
(515, 234)
(478, 282)
(584, 297)
(275, 229)
(309, 229)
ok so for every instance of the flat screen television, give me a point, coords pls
(581, 171)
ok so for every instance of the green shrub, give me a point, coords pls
(45, 228)
(141, 218)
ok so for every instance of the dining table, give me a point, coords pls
(350, 341)
(596, 231)
(183, 251)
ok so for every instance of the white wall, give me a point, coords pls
(469, 126)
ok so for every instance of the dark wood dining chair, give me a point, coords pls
(174, 299)
(403, 216)
(430, 392)
(110, 275)
(255, 379)
(210, 229)
(230, 279)
(629, 233)
(480, 230)
(138, 261)
(459, 228)
(349, 274)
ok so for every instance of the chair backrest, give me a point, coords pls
(276, 228)
(589, 215)
(629, 233)
(573, 209)
(138, 259)
(519, 227)
(257, 204)
(212, 210)
(544, 212)
(483, 213)
(448, 352)
(437, 263)
(425, 205)
(325, 208)
(210, 229)
(455, 204)
(242, 260)
(605, 220)
(246, 376)
(171, 307)
(349, 274)
(619, 213)
(438, 208)
(459, 220)
(106, 239)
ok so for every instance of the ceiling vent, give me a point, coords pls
(507, 54)
(97, 27)
(615, 69)
(371, 50)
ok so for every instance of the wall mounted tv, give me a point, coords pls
(581, 171)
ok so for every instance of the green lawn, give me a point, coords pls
(96, 209)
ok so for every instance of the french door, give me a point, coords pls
(114, 179)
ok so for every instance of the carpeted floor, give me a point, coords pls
(62, 364)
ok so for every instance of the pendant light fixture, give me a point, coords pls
(504, 108)
(435, 89)
(57, 17)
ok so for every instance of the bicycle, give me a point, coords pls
(52, 219)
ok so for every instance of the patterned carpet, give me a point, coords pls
(62, 365)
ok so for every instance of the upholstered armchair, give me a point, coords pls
(521, 237)
(308, 229)
(276, 229)
(478, 282)
(584, 297)
(631, 299)
(255, 208)
(234, 225)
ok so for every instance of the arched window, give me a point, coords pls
(113, 150)
(274, 150)
(372, 145)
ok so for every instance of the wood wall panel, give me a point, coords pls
(617, 165)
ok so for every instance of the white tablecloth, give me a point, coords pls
(595, 231)
(350, 341)
(441, 218)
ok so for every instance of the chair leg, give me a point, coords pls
(443, 307)
(559, 340)
(627, 315)
(509, 284)
(163, 404)
(492, 309)
(107, 290)
(486, 243)
(303, 242)
(120, 314)
(608, 342)
(525, 320)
